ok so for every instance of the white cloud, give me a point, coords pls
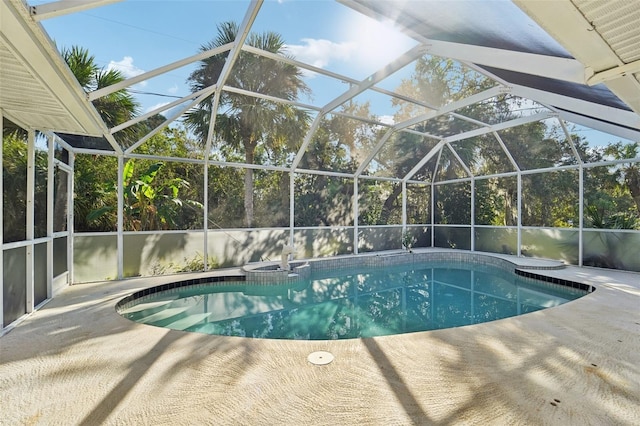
(173, 90)
(127, 68)
(367, 46)
(378, 43)
(156, 106)
(320, 52)
(387, 119)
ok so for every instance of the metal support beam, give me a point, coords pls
(519, 220)
(614, 73)
(433, 196)
(64, 7)
(205, 214)
(374, 152)
(170, 105)
(306, 141)
(530, 63)
(433, 216)
(581, 215)
(500, 126)
(234, 53)
(462, 163)
(50, 210)
(335, 76)
(112, 141)
(602, 126)
(580, 191)
(356, 215)
(618, 122)
(120, 229)
(244, 92)
(376, 77)
(506, 151)
(169, 120)
(30, 213)
(292, 208)
(473, 214)
(404, 206)
(156, 72)
(243, 33)
(435, 150)
(478, 97)
(476, 132)
(70, 217)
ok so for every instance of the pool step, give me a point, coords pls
(143, 310)
(159, 318)
(188, 321)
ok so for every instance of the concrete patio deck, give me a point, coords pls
(76, 361)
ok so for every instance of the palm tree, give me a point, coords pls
(115, 108)
(244, 124)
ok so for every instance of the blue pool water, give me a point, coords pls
(347, 304)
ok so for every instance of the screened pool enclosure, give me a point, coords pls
(339, 128)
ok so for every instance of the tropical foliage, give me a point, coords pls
(150, 202)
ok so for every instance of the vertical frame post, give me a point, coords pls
(50, 202)
(205, 213)
(31, 184)
(120, 238)
(70, 218)
(356, 209)
(433, 215)
(581, 214)
(292, 206)
(473, 213)
(519, 253)
(404, 210)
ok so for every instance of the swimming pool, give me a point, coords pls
(346, 303)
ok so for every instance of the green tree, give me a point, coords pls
(150, 202)
(115, 108)
(336, 146)
(250, 124)
(157, 195)
(629, 173)
(437, 81)
(94, 185)
(14, 176)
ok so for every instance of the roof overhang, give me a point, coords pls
(37, 89)
(601, 35)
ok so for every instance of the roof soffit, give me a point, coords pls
(584, 28)
(39, 86)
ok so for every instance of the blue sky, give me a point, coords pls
(135, 36)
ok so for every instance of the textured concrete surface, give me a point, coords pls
(76, 361)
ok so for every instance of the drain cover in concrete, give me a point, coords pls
(320, 357)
